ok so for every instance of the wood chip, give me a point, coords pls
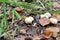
(44, 21)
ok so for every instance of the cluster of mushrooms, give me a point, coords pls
(46, 19)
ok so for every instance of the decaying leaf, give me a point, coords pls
(47, 34)
(54, 30)
(19, 9)
(23, 31)
(56, 5)
(57, 16)
(58, 38)
(36, 37)
(44, 21)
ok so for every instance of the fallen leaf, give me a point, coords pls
(58, 38)
(47, 34)
(54, 30)
(23, 31)
(44, 21)
(36, 37)
(56, 5)
(57, 16)
(19, 9)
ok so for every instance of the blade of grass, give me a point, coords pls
(23, 4)
(13, 16)
(17, 15)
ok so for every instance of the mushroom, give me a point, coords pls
(53, 20)
(47, 15)
(42, 16)
(29, 20)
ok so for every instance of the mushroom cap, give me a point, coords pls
(42, 16)
(53, 20)
(47, 15)
(29, 19)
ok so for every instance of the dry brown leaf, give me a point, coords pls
(56, 5)
(23, 31)
(19, 9)
(36, 37)
(21, 39)
(44, 21)
(57, 16)
(47, 34)
(54, 30)
(58, 38)
(55, 34)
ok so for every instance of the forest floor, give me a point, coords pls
(29, 21)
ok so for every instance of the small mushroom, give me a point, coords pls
(53, 20)
(29, 20)
(42, 16)
(47, 15)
